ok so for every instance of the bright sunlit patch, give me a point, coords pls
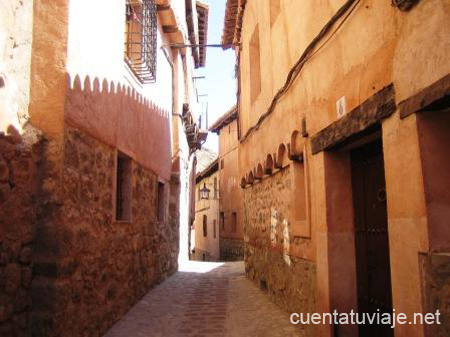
(198, 267)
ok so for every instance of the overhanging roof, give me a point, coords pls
(231, 34)
(197, 23)
(207, 163)
(202, 12)
(223, 121)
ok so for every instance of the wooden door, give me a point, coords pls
(371, 236)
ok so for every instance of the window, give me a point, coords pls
(140, 38)
(205, 226)
(216, 190)
(123, 188)
(160, 202)
(255, 67)
(222, 220)
(215, 229)
(222, 163)
(234, 222)
(299, 210)
(274, 11)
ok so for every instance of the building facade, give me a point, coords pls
(343, 117)
(96, 163)
(205, 232)
(231, 210)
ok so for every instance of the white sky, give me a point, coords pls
(220, 82)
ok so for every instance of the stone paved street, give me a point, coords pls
(206, 299)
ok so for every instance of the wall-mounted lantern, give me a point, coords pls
(204, 192)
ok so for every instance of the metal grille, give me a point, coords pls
(140, 38)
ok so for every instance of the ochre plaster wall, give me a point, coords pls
(376, 46)
(384, 40)
(230, 191)
(210, 208)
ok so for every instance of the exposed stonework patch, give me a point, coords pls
(280, 262)
(377, 107)
(436, 274)
(291, 286)
(99, 267)
(18, 192)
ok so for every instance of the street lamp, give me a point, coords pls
(204, 192)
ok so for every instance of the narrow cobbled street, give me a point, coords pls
(206, 299)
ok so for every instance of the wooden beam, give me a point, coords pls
(160, 8)
(366, 115)
(170, 29)
(434, 97)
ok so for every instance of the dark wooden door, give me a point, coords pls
(371, 236)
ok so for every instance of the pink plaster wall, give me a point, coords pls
(119, 117)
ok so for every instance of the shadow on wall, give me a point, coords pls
(120, 117)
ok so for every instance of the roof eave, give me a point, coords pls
(224, 120)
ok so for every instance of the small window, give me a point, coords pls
(215, 229)
(140, 38)
(216, 190)
(205, 226)
(255, 67)
(222, 220)
(160, 201)
(299, 196)
(123, 187)
(222, 164)
(234, 222)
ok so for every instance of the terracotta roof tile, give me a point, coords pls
(231, 34)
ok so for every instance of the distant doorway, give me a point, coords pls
(371, 236)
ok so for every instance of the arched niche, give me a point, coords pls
(259, 172)
(243, 182)
(281, 158)
(250, 178)
(268, 167)
(296, 143)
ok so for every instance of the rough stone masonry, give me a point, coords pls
(18, 193)
(102, 266)
(290, 281)
(68, 268)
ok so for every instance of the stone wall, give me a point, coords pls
(91, 269)
(231, 249)
(274, 259)
(18, 188)
(436, 291)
